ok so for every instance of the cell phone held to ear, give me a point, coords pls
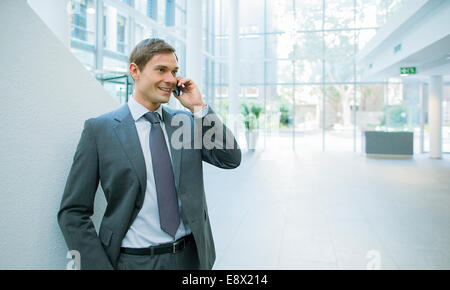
(177, 90)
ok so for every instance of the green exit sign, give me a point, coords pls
(408, 70)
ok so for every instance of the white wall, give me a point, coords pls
(55, 13)
(45, 96)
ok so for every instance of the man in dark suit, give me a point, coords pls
(156, 215)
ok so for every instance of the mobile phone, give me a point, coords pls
(177, 90)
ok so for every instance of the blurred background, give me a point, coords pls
(298, 60)
(344, 123)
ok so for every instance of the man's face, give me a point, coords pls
(158, 78)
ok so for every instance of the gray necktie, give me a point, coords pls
(165, 183)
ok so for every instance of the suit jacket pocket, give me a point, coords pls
(105, 235)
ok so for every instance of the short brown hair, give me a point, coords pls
(147, 48)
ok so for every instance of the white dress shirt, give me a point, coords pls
(146, 228)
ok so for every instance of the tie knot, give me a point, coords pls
(152, 117)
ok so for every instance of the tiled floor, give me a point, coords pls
(286, 210)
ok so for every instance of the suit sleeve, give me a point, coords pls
(74, 216)
(219, 147)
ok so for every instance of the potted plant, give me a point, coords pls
(251, 115)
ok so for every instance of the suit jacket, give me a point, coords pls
(109, 152)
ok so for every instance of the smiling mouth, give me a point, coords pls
(167, 90)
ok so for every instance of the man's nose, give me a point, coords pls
(170, 79)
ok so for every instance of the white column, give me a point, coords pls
(422, 116)
(435, 117)
(233, 68)
(55, 15)
(112, 28)
(194, 41)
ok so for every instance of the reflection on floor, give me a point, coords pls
(286, 210)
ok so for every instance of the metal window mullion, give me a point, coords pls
(293, 86)
(265, 73)
(354, 77)
(213, 75)
(323, 76)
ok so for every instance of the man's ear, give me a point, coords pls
(134, 71)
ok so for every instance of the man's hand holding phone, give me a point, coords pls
(190, 96)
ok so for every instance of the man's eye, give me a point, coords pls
(161, 70)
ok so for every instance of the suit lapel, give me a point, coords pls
(176, 153)
(129, 139)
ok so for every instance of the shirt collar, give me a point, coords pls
(137, 110)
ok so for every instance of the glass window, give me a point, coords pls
(396, 108)
(221, 73)
(341, 43)
(221, 102)
(83, 21)
(339, 69)
(339, 56)
(295, 45)
(446, 119)
(252, 48)
(221, 17)
(308, 114)
(221, 46)
(395, 91)
(115, 33)
(221, 91)
(308, 14)
(370, 111)
(280, 16)
(87, 58)
(139, 33)
(339, 121)
(251, 91)
(152, 9)
(141, 6)
(308, 45)
(279, 46)
(369, 14)
(105, 27)
(170, 12)
(339, 14)
(251, 72)
(281, 71)
(129, 2)
(181, 4)
(308, 71)
(111, 64)
(121, 34)
(180, 16)
(180, 49)
(161, 11)
(251, 16)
